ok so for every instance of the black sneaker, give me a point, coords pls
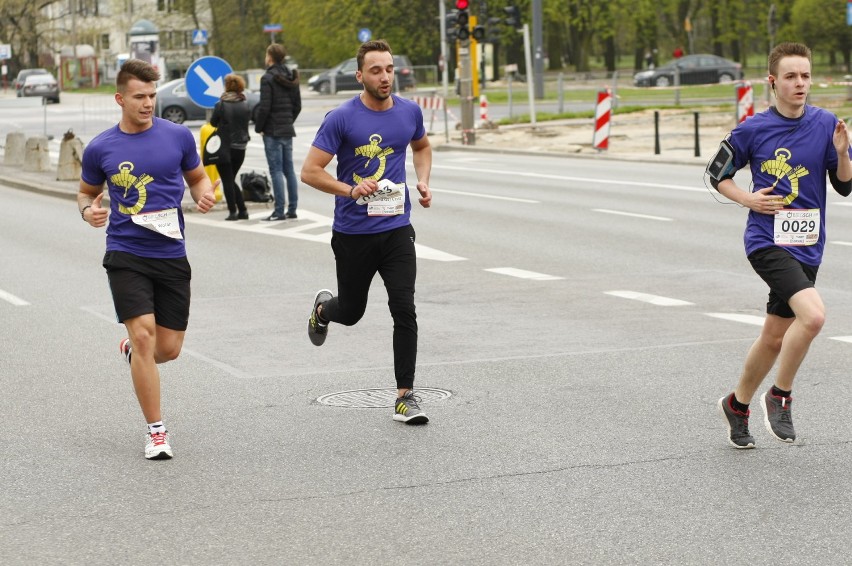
(274, 216)
(406, 410)
(738, 434)
(291, 216)
(316, 330)
(778, 416)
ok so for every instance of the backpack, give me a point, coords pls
(255, 187)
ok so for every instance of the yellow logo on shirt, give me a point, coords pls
(126, 180)
(373, 151)
(780, 168)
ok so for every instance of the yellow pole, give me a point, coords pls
(474, 59)
(211, 170)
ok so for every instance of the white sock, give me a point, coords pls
(156, 427)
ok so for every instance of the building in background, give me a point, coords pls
(87, 40)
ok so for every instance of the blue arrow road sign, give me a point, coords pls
(205, 80)
(364, 35)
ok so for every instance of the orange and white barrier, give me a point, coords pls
(432, 103)
(483, 108)
(745, 101)
(603, 114)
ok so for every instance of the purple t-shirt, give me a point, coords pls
(369, 145)
(797, 153)
(143, 173)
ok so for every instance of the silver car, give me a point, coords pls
(43, 85)
(174, 104)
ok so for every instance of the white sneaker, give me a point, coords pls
(157, 446)
(126, 349)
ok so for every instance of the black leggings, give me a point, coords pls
(228, 173)
(390, 254)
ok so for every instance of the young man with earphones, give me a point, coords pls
(790, 149)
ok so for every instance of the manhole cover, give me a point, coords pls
(379, 398)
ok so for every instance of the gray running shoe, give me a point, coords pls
(778, 416)
(408, 411)
(738, 434)
(316, 330)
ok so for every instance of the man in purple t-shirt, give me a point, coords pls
(372, 231)
(790, 148)
(144, 162)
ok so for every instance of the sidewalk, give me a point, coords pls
(46, 183)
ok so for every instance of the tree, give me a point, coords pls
(237, 34)
(323, 32)
(19, 27)
(821, 24)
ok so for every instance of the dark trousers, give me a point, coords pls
(228, 173)
(390, 254)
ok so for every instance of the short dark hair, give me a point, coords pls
(787, 49)
(277, 52)
(367, 46)
(136, 69)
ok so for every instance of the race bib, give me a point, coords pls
(389, 200)
(165, 222)
(797, 227)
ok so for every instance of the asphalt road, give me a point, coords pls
(584, 316)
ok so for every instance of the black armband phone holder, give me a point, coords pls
(722, 164)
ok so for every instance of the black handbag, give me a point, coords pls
(212, 152)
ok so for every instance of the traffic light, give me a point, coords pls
(462, 4)
(478, 33)
(451, 23)
(463, 22)
(513, 16)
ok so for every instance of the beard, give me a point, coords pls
(376, 93)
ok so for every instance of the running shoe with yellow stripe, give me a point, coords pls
(406, 410)
(317, 331)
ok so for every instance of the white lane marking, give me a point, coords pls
(298, 229)
(425, 252)
(744, 318)
(646, 298)
(239, 374)
(10, 298)
(847, 339)
(591, 180)
(632, 214)
(481, 195)
(840, 243)
(523, 274)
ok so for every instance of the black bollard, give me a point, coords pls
(656, 132)
(697, 144)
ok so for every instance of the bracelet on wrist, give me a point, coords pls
(352, 190)
(83, 212)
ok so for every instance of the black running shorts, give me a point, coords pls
(785, 276)
(142, 285)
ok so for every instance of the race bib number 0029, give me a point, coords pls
(797, 227)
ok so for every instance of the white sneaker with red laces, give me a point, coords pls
(157, 446)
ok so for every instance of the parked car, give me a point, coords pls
(693, 69)
(22, 76)
(41, 85)
(344, 76)
(174, 104)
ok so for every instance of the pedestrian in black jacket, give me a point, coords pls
(279, 106)
(231, 118)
